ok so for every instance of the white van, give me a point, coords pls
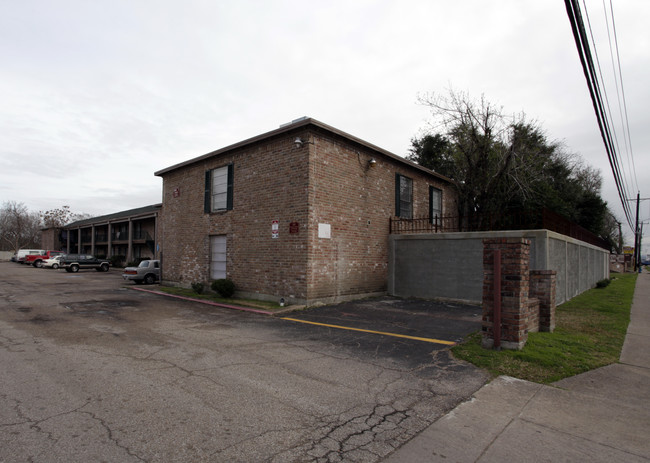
(20, 255)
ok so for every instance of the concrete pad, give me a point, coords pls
(617, 382)
(639, 320)
(525, 442)
(640, 314)
(635, 350)
(606, 422)
(598, 416)
(637, 341)
(456, 436)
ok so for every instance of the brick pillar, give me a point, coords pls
(542, 287)
(515, 258)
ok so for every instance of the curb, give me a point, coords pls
(218, 304)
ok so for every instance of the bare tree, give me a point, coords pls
(56, 218)
(489, 152)
(504, 163)
(19, 228)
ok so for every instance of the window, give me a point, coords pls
(403, 197)
(435, 204)
(218, 189)
(218, 257)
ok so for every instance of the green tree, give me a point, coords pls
(502, 162)
(434, 152)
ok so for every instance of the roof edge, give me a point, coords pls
(296, 124)
(144, 210)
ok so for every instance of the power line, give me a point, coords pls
(620, 73)
(626, 175)
(584, 52)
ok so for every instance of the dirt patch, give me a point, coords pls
(24, 309)
(41, 319)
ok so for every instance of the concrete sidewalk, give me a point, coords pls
(599, 416)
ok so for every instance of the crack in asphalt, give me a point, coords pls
(37, 424)
(110, 435)
(220, 386)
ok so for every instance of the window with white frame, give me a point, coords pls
(218, 189)
(218, 254)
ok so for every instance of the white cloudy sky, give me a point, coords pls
(97, 95)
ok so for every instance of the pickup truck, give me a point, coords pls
(74, 262)
(37, 259)
(21, 253)
(148, 272)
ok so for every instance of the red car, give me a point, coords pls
(37, 259)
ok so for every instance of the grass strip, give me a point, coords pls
(589, 334)
(253, 303)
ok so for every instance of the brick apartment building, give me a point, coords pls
(301, 213)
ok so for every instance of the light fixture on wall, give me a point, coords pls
(372, 162)
(299, 142)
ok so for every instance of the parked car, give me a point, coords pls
(37, 259)
(20, 255)
(74, 262)
(54, 262)
(148, 272)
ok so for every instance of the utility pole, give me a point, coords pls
(636, 233)
(640, 241)
(620, 238)
(637, 241)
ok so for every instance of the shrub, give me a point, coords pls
(603, 283)
(135, 262)
(224, 287)
(197, 287)
(117, 261)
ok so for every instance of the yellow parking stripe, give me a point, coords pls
(435, 341)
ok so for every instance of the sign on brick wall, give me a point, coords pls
(275, 229)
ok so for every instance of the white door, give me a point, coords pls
(218, 257)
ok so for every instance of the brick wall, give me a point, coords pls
(515, 257)
(50, 239)
(527, 297)
(325, 182)
(542, 288)
(270, 183)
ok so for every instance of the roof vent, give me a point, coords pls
(300, 119)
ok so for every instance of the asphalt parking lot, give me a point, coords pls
(95, 371)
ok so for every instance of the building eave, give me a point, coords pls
(138, 213)
(298, 124)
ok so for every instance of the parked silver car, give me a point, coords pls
(148, 272)
(54, 262)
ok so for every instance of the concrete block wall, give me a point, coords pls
(450, 265)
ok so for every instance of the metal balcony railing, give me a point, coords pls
(508, 220)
